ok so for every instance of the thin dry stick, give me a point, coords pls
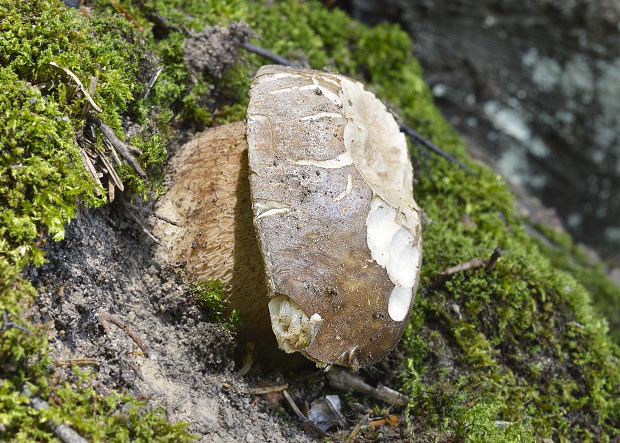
(80, 85)
(141, 344)
(356, 429)
(344, 380)
(146, 231)
(124, 149)
(6, 324)
(293, 406)
(90, 167)
(115, 178)
(135, 368)
(91, 91)
(152, 81)
(108, 145)
(154, 214)
(78, 362)
(475, 263)
(267, 389)
(268, 55)
(418, 138)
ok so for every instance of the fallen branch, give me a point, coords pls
(61, 430)
(104, 317)
(345, 381)
(124, 149)
(79, 84)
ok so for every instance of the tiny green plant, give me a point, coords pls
(212, 296)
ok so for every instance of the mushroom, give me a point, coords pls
(336, 257)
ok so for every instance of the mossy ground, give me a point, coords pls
(520, 343)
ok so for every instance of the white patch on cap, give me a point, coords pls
(400, 299)
(394, 247)
(322, 115)
(276, 76)
(404, 256)
(341, 161)
(265, 208)
(381, 227)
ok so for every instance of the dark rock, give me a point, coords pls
(536, 85)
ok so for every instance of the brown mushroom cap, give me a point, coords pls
(331, 185)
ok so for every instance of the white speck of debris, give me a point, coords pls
(341, 161)
(348, 189)
(265, 208)
(322, 115)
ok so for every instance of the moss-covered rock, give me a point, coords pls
(519, 344)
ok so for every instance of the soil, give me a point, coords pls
(108, 266)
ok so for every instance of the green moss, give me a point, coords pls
(520, 343)
(212, 296)
(565, 255)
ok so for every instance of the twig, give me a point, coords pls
(293, 406)
(91, 91)
(90, 167)
(357, 428)
(152, 81)
(497, 253)
(308, 425)
(154, 214)
(77, 362)
(248, 359)
(80, 85)
(268, 55)
(123, 148)
(141, 344)
(417, 138)
(267, 389)
(6, 324)
(475, 263)
(115, 179)
(344, 380)
(127, 15)
(135, 368)
(61, 430)
(108, 145)
(145, 230)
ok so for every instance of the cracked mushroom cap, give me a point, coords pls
(332, 195)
